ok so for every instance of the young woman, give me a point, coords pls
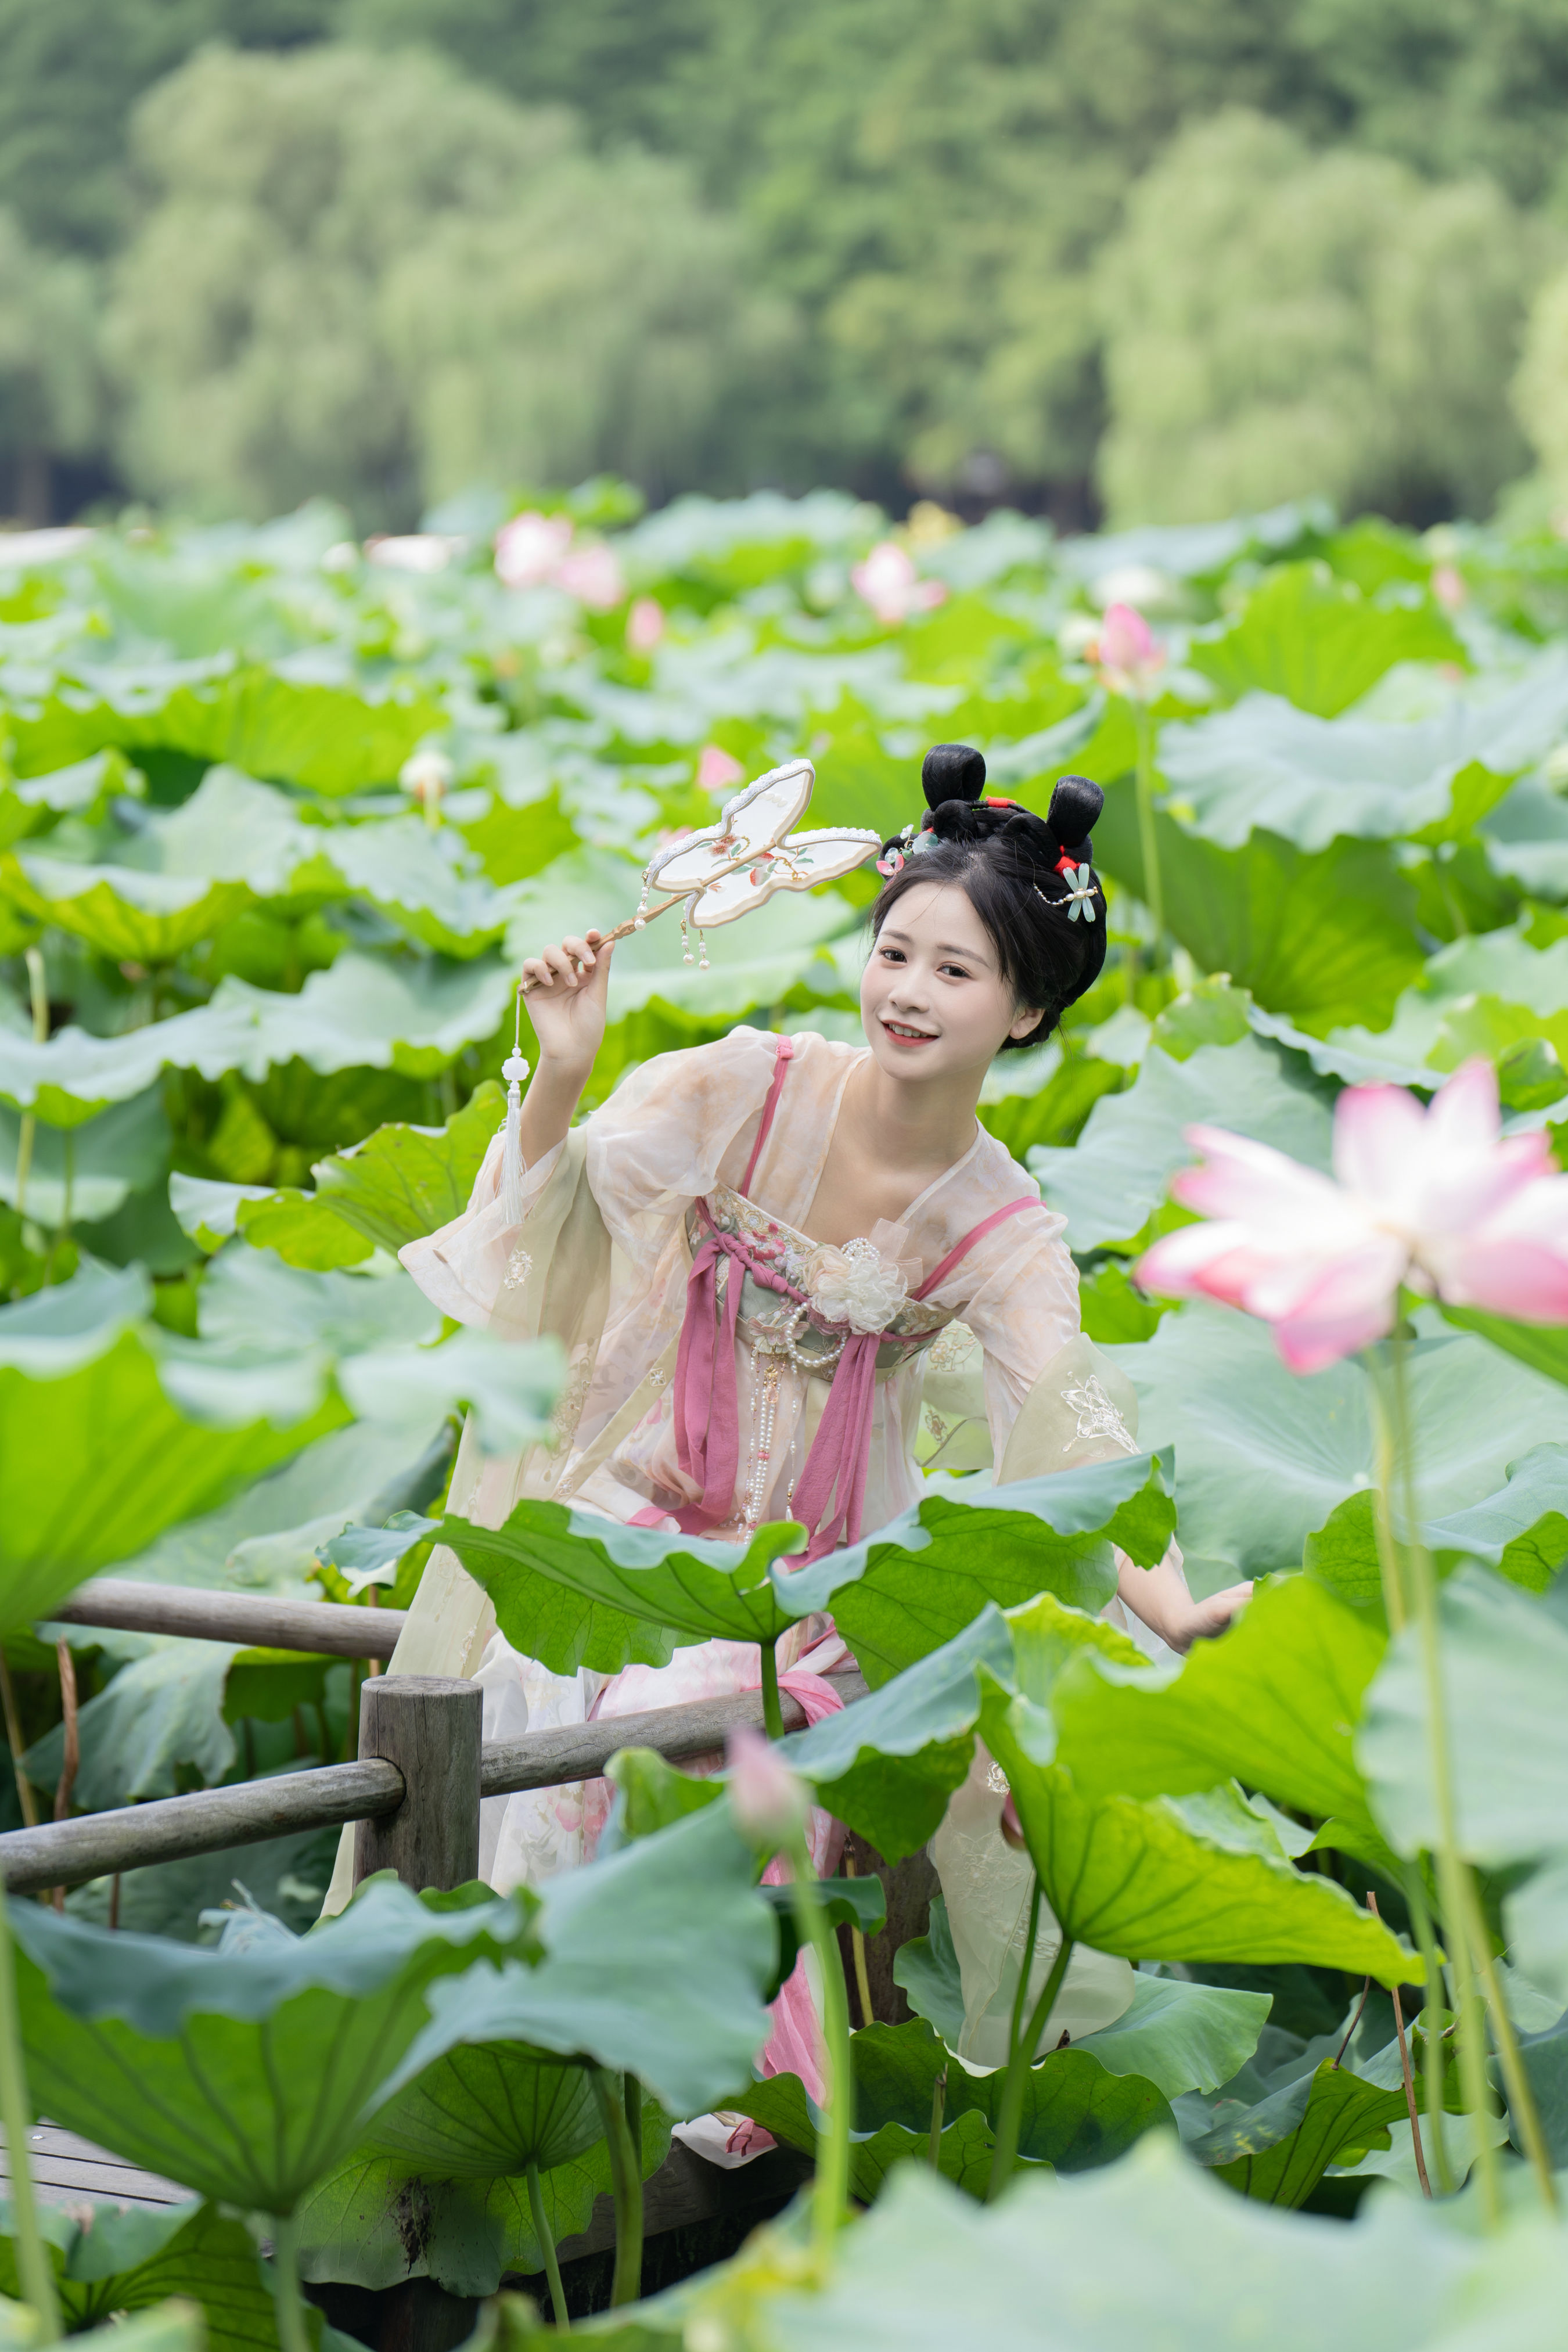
(749, 1249)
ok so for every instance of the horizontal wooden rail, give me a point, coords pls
(255, 1620)
(544, 1760)
(171, 1829)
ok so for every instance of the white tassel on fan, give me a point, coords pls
(514, 1069)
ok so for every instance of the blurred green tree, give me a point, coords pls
(1279, 321)
(51, 389)
(366, 276)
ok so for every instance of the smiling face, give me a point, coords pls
(934, 1000)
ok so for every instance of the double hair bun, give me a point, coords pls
(952, 776)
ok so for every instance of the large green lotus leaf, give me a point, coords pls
(306, 720)
(888, 1765)
(1314, 779)
(370, 2223)
(1543, 1346)
(1263, 1457)
(1273, 1703)
(1075, 2114)
(1536, 1917)
(1214, 2272)
(266, 1538)
(400, 1183)
(161, 1712)
(573, 1589)
(269, 1330)
(419, 879)
(755, 962)
(1139, 1880)
(1318, 641)
(480, 2113)
(108, 2259)
(1496, 968)
(1181, 2036)
(1327, 934)
(81, 790)
(656, 1959)
(1505, 1669)
(1110, 1182)
(246, 2073)
(1344, 2116)
(1522, 1531)
(360, 1013)
(83, 1173)
(901, 1593)
(96, 1457)
(118, 912)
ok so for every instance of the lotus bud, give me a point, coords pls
(645, 625)
(1012, 1827)
(769, 1800)
(426, 776)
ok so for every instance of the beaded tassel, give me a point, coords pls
(514, 1069)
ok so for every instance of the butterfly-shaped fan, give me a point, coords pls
(728, 870)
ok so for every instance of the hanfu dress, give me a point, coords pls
(723, 1369)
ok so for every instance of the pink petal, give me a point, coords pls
(1380, 1136)
(1177, 1265)
(1514, 1278)
(1126, 639)
(1353, 1283)
(1262, 1188)
(1465, 1109)
(1310, 1344)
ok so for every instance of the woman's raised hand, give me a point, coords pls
(567, 988)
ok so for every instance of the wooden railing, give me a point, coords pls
(422, 1769)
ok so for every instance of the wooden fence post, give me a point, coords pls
(429, 1725)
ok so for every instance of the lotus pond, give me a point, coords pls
(280, 815)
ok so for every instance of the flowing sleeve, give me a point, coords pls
(1017, 1384)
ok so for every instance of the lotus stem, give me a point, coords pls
(289, 2303)
(1025, 1970)
(626, 2179)
(773, 1712)
(1520, 2097)
(1148, 842)
(938, 2102)
(1422, 1584)
(35, 2272)
(830, 2193)
(545, 2236)
(1432, 2063)
(857, 1948)
(1011, 2113)
(1403, 2068)
(24, 1797)
(71, 1758)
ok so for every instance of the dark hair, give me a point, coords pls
(1006, 860)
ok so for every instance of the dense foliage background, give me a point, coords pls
(1158, 257)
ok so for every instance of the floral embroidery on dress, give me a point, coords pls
(518, 1267)
(1096, 1416)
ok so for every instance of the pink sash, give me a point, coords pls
(830, 1496)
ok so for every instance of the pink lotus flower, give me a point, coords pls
(1127, 654)
(529, 548)
(715, 771)
(889, 583)
(769, 1802)
(645, 625)
(1434, 1199)
(592, 575)
(1449, 587)
(1012, 1828)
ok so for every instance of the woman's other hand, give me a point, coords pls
(1202, 1619)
